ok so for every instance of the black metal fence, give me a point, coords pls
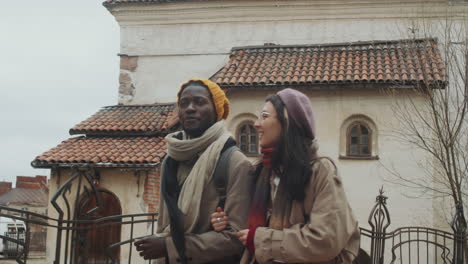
(72, 236)
(10, 247)
(77, 233)
(412, 244)
(70, 242)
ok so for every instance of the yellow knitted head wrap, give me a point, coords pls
(220, 100)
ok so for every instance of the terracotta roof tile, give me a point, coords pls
(116, 136)
(105, 151)
(359, 62)
(129, 120)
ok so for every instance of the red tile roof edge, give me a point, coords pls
(118, 133)
(47, 165)
(79, 152)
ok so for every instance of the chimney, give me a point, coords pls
(5, 187)
(31, 182)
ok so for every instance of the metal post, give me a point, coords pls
(459, 235)
(379, 220)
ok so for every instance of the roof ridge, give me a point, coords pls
(141, 105)
(109, 3)
(338, 44)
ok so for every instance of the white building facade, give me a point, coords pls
(165, 43)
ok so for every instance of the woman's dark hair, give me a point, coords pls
(291, 158)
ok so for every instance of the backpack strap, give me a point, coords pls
(221, 173)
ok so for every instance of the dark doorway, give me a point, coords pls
(92, 240)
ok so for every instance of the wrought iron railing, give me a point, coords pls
(413, 244)
(11, 248)
(69, 239)
(70, 233)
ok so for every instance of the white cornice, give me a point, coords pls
(281, 10)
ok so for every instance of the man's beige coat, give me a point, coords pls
(205, 245)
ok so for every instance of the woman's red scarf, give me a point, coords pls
(258, 208)
(267, 157)
(259, 204)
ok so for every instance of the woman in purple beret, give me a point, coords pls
(299, 212)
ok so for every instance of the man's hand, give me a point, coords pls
(151, 247)
(219, 220)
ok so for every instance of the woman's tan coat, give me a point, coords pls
(323, 227)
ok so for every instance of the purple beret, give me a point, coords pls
(299, 110)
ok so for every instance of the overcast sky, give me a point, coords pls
(58, 66)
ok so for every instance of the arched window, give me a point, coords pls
(359, 140)
(247, 138)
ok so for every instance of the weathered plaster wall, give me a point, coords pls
(177, 41)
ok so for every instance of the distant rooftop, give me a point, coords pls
(28, 191)
(23, 196)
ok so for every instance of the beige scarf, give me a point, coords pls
(209, 147)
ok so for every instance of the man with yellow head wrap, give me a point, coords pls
(188, 190)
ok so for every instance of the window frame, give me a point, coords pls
(348, 140)
(345, 138)
(238, 138)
